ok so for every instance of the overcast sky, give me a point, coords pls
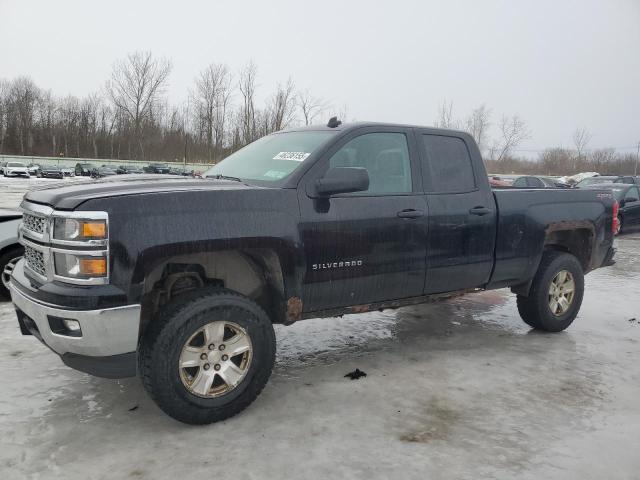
(558, 64)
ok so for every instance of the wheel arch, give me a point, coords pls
(575, 238)
(257, 273)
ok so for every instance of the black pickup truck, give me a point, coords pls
(179, 280)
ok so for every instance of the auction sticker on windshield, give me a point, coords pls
(275, 174)
(294, 156)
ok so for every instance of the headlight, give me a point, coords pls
(80, 266)
(78, 229)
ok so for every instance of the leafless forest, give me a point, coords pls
(129, 117)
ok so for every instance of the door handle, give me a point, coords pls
(410, 213)
(480, 211)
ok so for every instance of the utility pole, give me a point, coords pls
(635, 170)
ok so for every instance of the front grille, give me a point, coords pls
(35, 260)
(34, 223)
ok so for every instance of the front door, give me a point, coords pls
(368, 246)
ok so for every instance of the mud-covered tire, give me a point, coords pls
(161, 346)
(535, 310)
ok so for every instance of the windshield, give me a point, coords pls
(15, 164)
(272, 158)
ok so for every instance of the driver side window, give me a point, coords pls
(385, 156)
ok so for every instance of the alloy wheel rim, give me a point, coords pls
(215, 359)
(561, 293)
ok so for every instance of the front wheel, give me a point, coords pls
(208, 356)
(556, 293)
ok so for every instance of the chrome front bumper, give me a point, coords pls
(105, 332)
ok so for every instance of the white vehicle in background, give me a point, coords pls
(33, 168)
(15, 169)
(67, 171)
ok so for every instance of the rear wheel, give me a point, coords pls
(208, 356)
(556, 293)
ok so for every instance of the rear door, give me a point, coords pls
(462, 213)
(368, 246)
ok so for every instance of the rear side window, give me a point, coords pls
(449, 167)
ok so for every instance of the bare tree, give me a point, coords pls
(24, 96)
(310, 106)
(581, 138)
(445, 116)
(281, 109)
(478, 125)
(247, 116)
(601, 158)
(48, 113)
(4, 111)
(513, 130)
(136, 84)
(90, 113)
(212, 95)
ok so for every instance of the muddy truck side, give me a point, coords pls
(180, 280)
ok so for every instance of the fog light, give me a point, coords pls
(71, 325)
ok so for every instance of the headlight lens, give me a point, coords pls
(77, 229)
(79, 266)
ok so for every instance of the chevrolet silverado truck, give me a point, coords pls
(180, 280)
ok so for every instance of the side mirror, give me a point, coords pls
(343, 180)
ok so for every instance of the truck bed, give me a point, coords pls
(530, 219)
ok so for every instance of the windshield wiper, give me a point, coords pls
(225, 177)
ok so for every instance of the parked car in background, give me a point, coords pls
(531, 181)
(103, 171)
(606, 179)
(496, 181)
(629, 179)
(67, 171)
(10, 250)
(33, 168)
(181, 171)
(15, 169)
(50, 171)
(128, 169)
(84, 169)
(628, 197)
(157, 168)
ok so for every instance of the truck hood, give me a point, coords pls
(68, 196)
